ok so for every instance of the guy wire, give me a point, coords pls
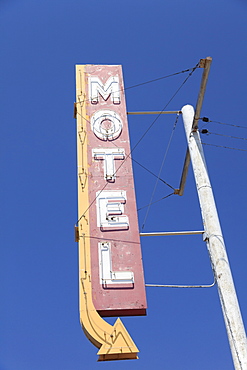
(143, 135)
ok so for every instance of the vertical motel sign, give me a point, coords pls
(111, 280)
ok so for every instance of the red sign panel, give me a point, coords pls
(118, 287)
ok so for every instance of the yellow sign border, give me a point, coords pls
(114, 342)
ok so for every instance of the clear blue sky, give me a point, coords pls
(41, 41)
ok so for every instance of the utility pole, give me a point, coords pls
(215, 244)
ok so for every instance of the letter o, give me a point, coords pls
(106, 124)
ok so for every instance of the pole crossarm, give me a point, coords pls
(206, 64)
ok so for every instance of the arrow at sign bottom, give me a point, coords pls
(114, 342)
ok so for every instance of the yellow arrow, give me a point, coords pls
(114, 342)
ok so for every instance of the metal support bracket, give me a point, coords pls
(168, 233)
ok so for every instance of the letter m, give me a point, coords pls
(111, 87)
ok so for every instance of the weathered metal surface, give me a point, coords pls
(109, 175)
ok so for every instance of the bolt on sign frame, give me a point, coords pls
(111, 279)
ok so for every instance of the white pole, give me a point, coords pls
(215, 245)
